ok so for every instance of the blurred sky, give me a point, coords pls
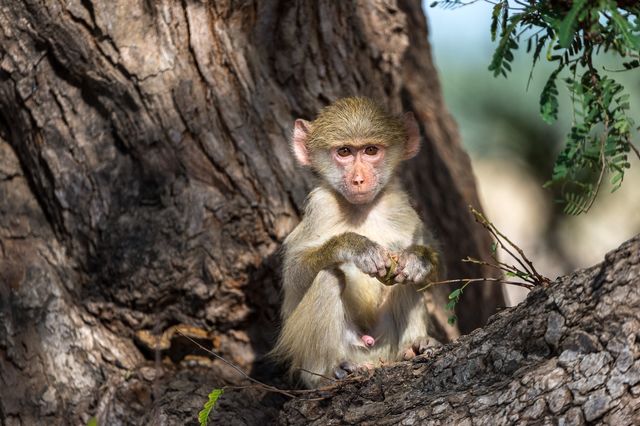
(462, 30)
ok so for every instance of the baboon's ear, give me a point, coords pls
(301, 129)
(412, 144)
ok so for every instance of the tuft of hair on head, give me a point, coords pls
(355, 119)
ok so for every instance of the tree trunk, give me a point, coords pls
(146, 186)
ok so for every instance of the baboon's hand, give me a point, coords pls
(373, 260)
(368, 256)
(414, 265)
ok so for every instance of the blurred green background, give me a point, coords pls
(513, 150)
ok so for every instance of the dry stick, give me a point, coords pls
(238, 369)
(520, 261)
(531, 270)
(315, 374)
(473, 280)
(512, 269)
(497, 234)
(531, 277)
(540, 278)
(501, 266)
(515, 271)
(253, 386)
(258, 383)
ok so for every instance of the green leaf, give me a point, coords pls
(203, 415)
(617, 178)
(549, 98)
(503, 53)
(452, 319)
(632, 40)
(92, 422)
(576, 203)
(568, 25)
(455, 294)
(540, 42)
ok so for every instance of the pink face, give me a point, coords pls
(360, 169)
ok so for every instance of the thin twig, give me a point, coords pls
(498, 235)
(501, 266)
(258, 383)
(514, 270)
(473, 280)
(531, 270)
(314, 373)
(253, 386)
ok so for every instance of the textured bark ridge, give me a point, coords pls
(146, 185)
(569, 354)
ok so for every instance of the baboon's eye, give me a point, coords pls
(371, 150)
(344, 151)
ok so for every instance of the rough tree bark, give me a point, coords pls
(146, 185)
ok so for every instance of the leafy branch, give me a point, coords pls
(573, 33)
(522, 269)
